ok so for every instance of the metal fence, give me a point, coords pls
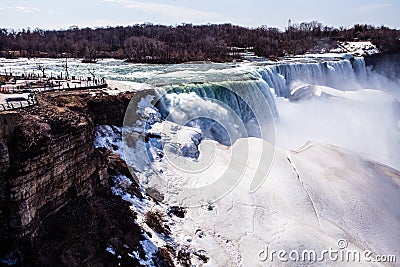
(12, 103)
(18, 102)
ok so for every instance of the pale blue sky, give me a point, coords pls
(51, 14)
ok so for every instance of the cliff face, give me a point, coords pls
(387, 64)
(4, 165)
(47, 159)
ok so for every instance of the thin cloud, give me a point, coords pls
(55, 13)
(172, 11)
(28, 10)
(372, 7)
(20, 9)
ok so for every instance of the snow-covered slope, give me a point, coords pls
(356, 48)
(312, 198)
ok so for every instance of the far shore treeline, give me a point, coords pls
(150, 43)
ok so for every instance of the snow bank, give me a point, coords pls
(185, 139)
(109, 137)
(356, 48)
(117, 87)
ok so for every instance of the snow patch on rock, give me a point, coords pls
(185, 139)
(356, 48)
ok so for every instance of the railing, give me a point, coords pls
(69, 88)
(18, 103)
(13, 103)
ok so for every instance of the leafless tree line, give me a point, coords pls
(149, 43)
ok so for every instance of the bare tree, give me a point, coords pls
(42, 68)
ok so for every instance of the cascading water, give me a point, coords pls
(209, 106)
(360, 70)
(213, 107)
(334, 73)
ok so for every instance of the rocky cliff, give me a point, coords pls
(387, 64)
(48, 160)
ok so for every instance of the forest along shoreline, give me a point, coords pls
(148, 43)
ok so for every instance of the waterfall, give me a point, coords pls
(220, 108)
(360, 70)
(275, 80)
(281, 78)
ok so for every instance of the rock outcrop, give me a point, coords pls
(48, 160)
(386, 64)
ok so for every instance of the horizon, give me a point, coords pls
(187, 23)
(47, 15)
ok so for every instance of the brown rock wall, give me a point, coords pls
(47, 158)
